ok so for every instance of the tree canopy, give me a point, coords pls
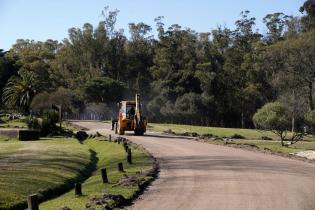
(219, 78)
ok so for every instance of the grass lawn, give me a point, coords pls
(17, 123)
(42, 167)
(252, 134)
(109, 155)
(276, 146)
(248, 133)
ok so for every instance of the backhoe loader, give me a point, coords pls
(130, 117)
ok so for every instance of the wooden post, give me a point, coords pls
(125, 145)
(104, 175)
(113, 123)
(60, 117)
(109, 137)
(32, 202)
(77, 189)
(129, 156)
(120, 167)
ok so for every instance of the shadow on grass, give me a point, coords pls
(67, 185)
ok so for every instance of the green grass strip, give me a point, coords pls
(109, 155)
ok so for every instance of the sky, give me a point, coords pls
(50, 19)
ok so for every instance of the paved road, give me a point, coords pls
(197, 175)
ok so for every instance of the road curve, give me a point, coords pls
(196, 175)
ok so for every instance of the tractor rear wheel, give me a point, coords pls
(139, 132)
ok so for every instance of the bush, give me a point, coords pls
(272, 116)
(32, 122)
(49, 120)
(81, 135)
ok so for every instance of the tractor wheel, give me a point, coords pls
(139, 132)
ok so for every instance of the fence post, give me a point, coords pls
(77, 189)
(125, 145)
(120, 167)
(129, 156)
(104, 175)
(32, 202)
(109, 137)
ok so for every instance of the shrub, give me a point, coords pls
(272, 116)
(32, 122)
(276, 118)
(81, 135)
(49, 120)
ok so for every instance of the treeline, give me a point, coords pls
(217, 78)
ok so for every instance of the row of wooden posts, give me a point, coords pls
(33, 201)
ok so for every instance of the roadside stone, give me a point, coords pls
(169, 131)
(266, 138)
(237, 136)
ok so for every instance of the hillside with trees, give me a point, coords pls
(216, 78)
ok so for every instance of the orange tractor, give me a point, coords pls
(130, 117)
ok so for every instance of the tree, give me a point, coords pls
(19, 91)
(294, 58)
(275, 23)
(70, 101)
(7, 70)
(308, 20)
(139, 53)
(103, 90)
(275, 117)
(310, 120)
(35, 57)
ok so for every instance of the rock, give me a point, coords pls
(194, 134)
(105, 201)
(65, 208)
(128, 180)
(207, 135)
(266, 138)
(237, 136)
(169, 131)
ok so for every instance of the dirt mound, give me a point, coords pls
(106, 201)
(129, 180)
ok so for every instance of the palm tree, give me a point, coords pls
(19, 91)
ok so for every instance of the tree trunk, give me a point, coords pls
(242, 121)
(310, 86)
(293, 122)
